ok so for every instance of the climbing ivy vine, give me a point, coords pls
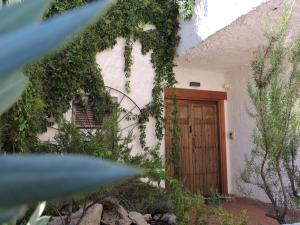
(128, 62)
(186, 8)
(174, 157)
(72, 71)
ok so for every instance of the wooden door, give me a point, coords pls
(199, 145)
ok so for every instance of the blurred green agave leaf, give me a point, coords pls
(32, 178)
(19, 15)
(11, 87)
(42, 220)
(28, 43)
(10, 214)
(36, 216)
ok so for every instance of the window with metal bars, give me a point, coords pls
(84, 116)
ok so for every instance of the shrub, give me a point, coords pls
(274, 91)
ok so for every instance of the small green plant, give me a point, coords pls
(106, 142)
(185, 203)
(222, 217)
(215, 198)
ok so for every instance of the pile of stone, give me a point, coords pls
(162, 219)
(110, 212)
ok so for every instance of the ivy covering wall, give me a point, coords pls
(72, 71)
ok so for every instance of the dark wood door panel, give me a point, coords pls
(185, 145)
(199, 145)
(205, 146)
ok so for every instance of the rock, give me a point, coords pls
(148, 217)
(114, 203)
(169, 218)
(61, 220)
(122, 212)
(57, 220)
(114, 213)
(137, 218)
(65, 208)
(110, 218)
(77, 214)
(157, 217)
(92, 216)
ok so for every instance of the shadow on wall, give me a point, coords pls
(189, 30)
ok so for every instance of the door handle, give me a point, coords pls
(193, 143)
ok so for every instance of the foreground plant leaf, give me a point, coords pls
(10, 214)
(19, 15)
(35, 217)
(42, 220)
(33, 178)
(28, 43)
(11, 87)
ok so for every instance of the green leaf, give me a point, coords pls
(11, 87)
(28, 43)
(42, 220)
(10, 214)
(33, 178)
(19, 15)
(37, 214)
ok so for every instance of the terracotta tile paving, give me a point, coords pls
(255, 211)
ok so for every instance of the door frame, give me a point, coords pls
(214, 96)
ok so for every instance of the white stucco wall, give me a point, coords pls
(111, 63)
(242, 124)
(209, 80)
(211, 16)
